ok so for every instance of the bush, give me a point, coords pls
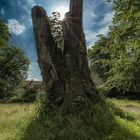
(96, 122)
(24, 95)
(88, 125)
(29, 95)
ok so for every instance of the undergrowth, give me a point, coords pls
(56, 126)
(101, 122)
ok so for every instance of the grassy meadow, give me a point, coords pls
(12, 118)
(17, 122)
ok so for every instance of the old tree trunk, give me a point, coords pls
(66, 75)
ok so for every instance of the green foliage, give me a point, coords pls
(29, 95)
(99, 57)
(4, 36)
(23, 95)
(82, 126)
(19, 122)
(13, 119)
(97, 123)
(126, 46)
(118, 54)
(13, 70)
(56, 28)
(13, 63)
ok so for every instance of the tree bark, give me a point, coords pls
(50, 58)
(78, 78)
(64, 73)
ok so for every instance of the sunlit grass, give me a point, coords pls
(127, 130)
(11, 119)
(125, 102)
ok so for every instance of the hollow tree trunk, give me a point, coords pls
(64, 73)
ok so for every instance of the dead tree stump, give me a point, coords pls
(66, 75)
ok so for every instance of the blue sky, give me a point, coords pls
(97, 17)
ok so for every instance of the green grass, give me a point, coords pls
(125, 102)
(12, 118)
(18, 122)
(125, 130)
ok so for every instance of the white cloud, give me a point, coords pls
(91, 36)
(15, 27)
(97, 19)
(92, 14)
(27, 5)
(107, 18)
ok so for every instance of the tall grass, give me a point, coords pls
(20, 122)
(11, 120)
(99, 123)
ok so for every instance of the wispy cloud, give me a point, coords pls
(15, 27)
(97, 19)
(28, 4)
(33, 72)
(91, 36)
(107, 18)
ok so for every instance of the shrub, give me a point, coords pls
(24, 95)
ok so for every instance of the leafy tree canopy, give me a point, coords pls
(13, 63)
(118, 54)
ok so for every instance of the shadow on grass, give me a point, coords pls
(98, 124)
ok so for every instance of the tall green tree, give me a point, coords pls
(4, 34)
(99, 59)
(13, 63)
(123, 45)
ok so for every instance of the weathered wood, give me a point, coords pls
(50, 57)
(78, 78)
(64, 73)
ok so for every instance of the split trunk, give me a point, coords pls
(66, 75)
